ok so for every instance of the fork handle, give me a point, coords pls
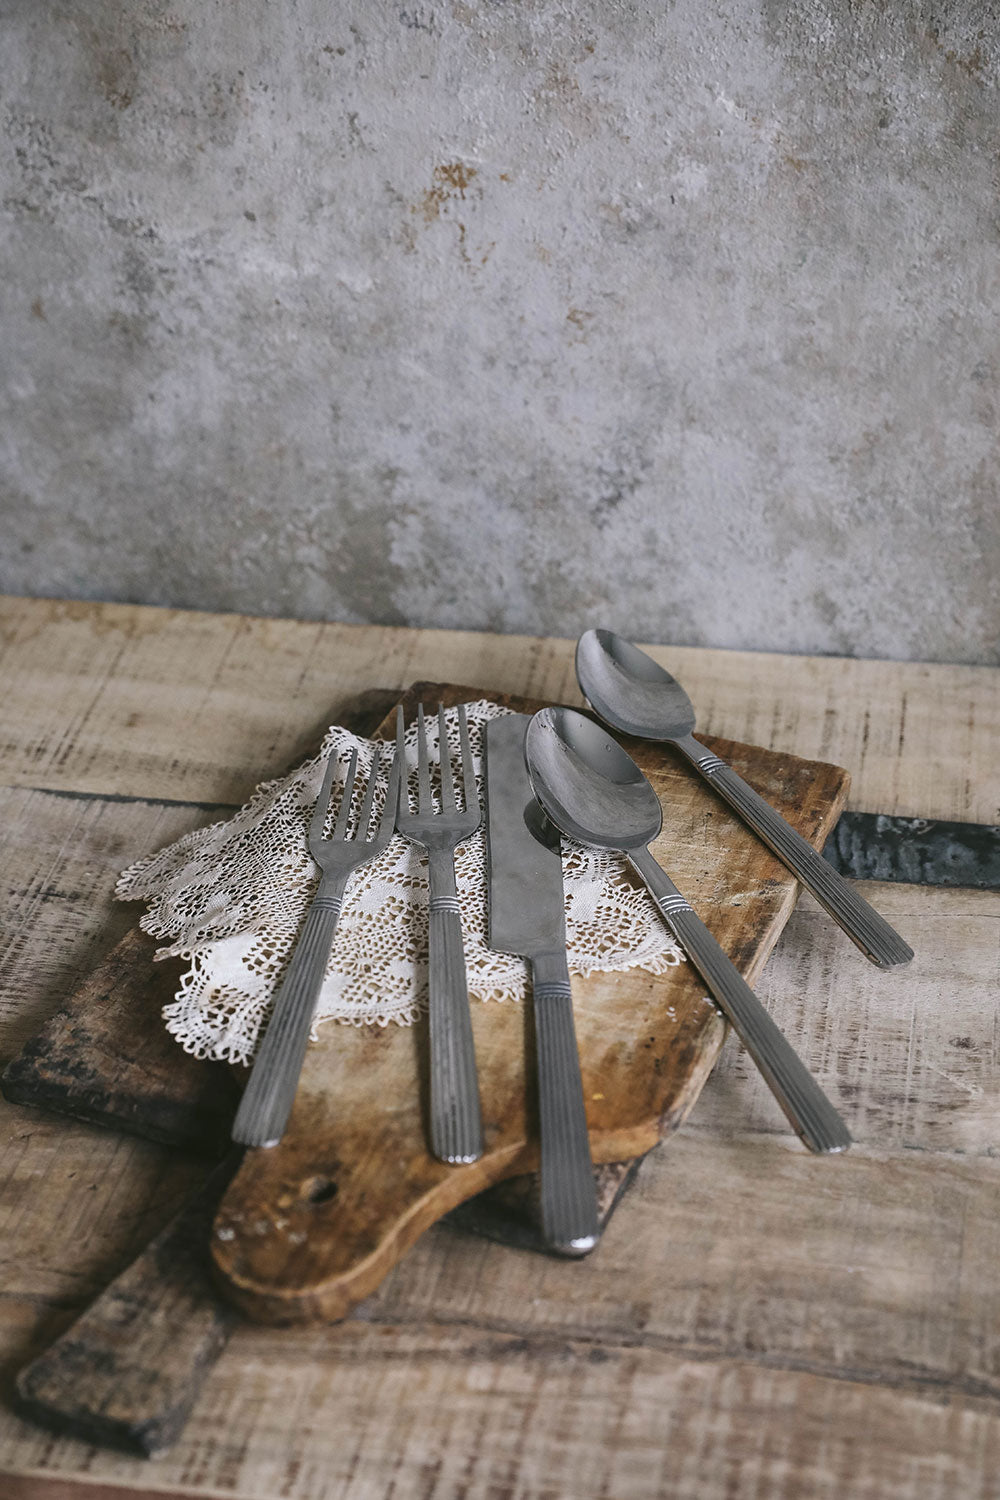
(809, 1111)
(862, 923)
(269, 1094)
(456, 1127)
(569, 1198)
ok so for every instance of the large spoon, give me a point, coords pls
(633, 693)
(592, 791)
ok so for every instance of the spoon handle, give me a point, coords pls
(808, 1109)
(862, 923)
(568, 1194)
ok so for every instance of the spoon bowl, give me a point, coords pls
(586, 783)
(629, 690)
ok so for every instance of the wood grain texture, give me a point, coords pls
(129, 1370)
(106, 1056)
(754, 1324)
(62, 854)
(311, 1226)
(227, 700)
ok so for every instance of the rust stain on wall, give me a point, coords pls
(450, 182)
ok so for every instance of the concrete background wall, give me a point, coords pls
(681, 318)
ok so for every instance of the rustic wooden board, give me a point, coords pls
(106, 1057)
(308, 1228)
(120, 1375)
(129, 1370)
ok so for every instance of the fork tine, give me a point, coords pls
(448, 803)
(364, 816)
(345, 801)
(400, 760)
(423, 768)
(322, 802)
(388, 818)
(469, 790)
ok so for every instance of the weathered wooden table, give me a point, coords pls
(755, 1322)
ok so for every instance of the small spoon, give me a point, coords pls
(633, 693)
(595, 793)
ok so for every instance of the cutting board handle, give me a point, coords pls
(309, 1227)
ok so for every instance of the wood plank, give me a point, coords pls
(106, 1056)
(173, 703)
(61, 858)
(758, 1397)
(195, 707)
(77, 1204)
(38, 1487)
(916, 737)
(876, 1267)
(881, 1273)
(61, 1243)
(913, 1054)
(103, 1053)
(128, 1371)
(53, 930)
(62, 1238)
(385, 1411)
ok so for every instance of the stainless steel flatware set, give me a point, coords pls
(555, 774)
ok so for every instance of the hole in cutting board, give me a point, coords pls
(318, 1190)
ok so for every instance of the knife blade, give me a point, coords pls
(527, 916)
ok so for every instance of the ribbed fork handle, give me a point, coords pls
(862, 923)
(269, 1094)
(809, 1111)
(456, 1128)
(569, 1199)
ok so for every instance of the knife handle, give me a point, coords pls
(809, 1111)
(569, 1198)
(862, 923)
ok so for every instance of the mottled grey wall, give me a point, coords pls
(525, 316)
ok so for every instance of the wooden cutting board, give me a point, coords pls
(128, 1370)
(308, 1228)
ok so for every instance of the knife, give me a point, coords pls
(527, 917)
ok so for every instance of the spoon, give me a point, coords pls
(631, 692)
(595, 793)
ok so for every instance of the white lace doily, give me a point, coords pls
(231, 898)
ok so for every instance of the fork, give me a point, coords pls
(267, 1099)
(456, 1131)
